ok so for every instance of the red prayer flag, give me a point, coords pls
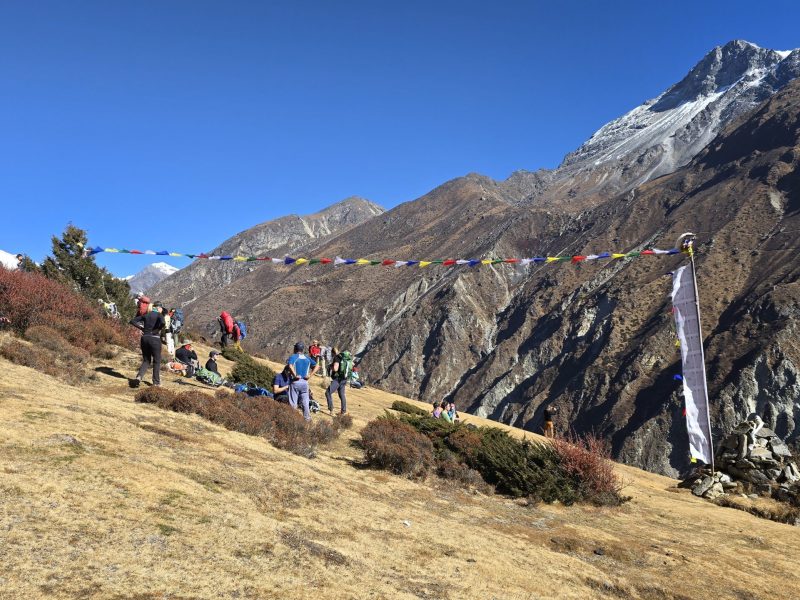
(647, 252)
(136, 252)
(511, 260)
(388, 262)
(449, 262)
(325, 261)
(578, 258)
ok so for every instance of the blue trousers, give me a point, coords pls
(298, 393)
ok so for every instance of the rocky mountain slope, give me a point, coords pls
(594, 339)
(149, 276)
(277, 237)
(666, 132)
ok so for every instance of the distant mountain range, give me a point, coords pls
(142, 281)
(716, 154)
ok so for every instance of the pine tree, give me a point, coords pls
(70, 265)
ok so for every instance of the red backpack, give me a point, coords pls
(227, 321)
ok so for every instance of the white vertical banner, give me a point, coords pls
(695, 390)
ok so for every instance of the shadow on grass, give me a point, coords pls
(110, 372)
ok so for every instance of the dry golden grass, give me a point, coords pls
(104, 498)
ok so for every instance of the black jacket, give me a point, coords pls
(150, 323)
(185, 356)
(211, 365)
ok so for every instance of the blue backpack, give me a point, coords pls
(242, 329)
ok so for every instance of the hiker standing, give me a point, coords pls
(340, 372)
(549, 429)
(302, 368)
(226, 326)
(315, 352)
(151, 325)
(168, 333)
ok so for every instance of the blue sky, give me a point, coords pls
(174, 125)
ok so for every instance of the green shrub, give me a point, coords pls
(568, 472)
(233, 354)
(407, 408)
(396, 446)
(247, 370)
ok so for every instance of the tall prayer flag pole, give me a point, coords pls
(686, 303)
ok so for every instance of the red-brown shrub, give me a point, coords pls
(588, 461)
(342, 421)
(155, 395)
(47, 337)
(30, 299)
(45, 361)
(391, 444)
(451, 468)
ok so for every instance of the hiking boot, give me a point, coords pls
(134, 383)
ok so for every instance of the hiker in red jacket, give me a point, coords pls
(226, 326)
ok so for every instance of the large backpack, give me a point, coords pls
(176, 322)
(242, 329)
(345, 360)
(227, 321)
(208, 377)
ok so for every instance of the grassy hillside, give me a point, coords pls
(104, 498)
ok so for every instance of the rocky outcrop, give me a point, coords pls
(751, 459)
(754, 454)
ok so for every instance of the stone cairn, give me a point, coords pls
(752, 458)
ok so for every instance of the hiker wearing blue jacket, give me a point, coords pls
(302, 368)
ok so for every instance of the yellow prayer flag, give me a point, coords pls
(301, 261)
(362, 261)
(617, 255)
(486, 261)
(551, 259)
(111, 250)
(240, 258)
(424, 263)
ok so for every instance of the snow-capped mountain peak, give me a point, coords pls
(149, 276)
(666, 132)
(8, 260)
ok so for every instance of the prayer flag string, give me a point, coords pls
(338, 260)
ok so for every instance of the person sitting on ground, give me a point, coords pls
(187, 356)
(444, 414)
(211, 363)
(549, 429)
(303, 368)
(452, 412)
(355, 379)
(280, 385)
(437, 410)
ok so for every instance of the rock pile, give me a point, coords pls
(752, 458)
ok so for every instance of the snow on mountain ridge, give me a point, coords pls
(149, 276)
(670, 129)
